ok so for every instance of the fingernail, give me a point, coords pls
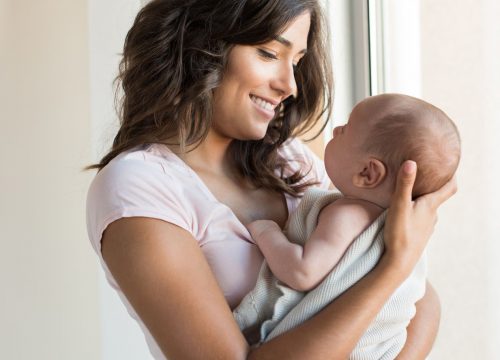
(410, 167)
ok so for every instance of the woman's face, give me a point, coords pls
(257, 79)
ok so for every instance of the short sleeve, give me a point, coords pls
(132, 185)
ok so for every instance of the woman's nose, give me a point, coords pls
(285, 81)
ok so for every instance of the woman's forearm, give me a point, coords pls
(334, 332)
(423, 328)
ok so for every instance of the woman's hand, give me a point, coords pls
(409, 224)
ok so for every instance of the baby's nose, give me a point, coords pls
(336, 130)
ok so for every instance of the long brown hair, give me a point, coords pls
(174, 57)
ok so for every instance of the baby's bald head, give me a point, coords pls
(402, 127)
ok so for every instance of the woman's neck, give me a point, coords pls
(210, 155)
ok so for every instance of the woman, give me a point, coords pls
(214, 93)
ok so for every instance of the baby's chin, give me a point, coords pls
(341, 187)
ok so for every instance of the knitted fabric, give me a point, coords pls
(276, 308)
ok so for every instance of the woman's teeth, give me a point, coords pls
(262, 103)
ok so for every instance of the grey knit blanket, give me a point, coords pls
(276, 308)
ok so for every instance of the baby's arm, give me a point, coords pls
(303, 268)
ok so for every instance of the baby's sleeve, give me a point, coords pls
(133, 187)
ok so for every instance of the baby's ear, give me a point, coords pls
(373, 174)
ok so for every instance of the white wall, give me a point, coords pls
(121, 337)
(48, 296)
(461, 74)
(343, 61)
(402, 58)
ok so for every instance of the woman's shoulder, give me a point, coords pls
(295, 148)
(146, 181)
(151, 159)
(301, 158)
(146, 167)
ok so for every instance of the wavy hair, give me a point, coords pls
(175, 55)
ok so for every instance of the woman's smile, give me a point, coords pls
(263, 106)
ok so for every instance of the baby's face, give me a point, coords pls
(344, 152)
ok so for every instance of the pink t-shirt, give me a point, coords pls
(151, 181)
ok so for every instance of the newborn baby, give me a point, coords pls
(362, 160)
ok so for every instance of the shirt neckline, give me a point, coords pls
(165, 150)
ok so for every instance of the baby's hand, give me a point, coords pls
(258, 228)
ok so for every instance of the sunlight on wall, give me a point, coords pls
(121, 336)
(48, 299)
(460, 52)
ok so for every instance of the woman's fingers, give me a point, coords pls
(409, 224)
(439, 196)
(404, 184)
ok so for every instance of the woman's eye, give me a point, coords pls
(267, 54)
(296, 65)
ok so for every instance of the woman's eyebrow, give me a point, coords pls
(287, 43)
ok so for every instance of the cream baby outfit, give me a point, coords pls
(276, 308)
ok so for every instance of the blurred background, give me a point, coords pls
(58, 59)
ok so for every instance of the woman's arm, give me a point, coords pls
(423, 328)
(163, 273)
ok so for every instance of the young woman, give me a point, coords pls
(214, 93)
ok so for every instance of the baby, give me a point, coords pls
(362, 160)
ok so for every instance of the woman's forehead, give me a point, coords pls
(296, 33)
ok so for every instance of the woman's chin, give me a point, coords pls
(255, 135)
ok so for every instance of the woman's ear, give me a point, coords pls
(372, 174)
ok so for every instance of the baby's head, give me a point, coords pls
(383, 131)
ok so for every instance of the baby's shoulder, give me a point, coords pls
(345, 203)
(350, 212)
